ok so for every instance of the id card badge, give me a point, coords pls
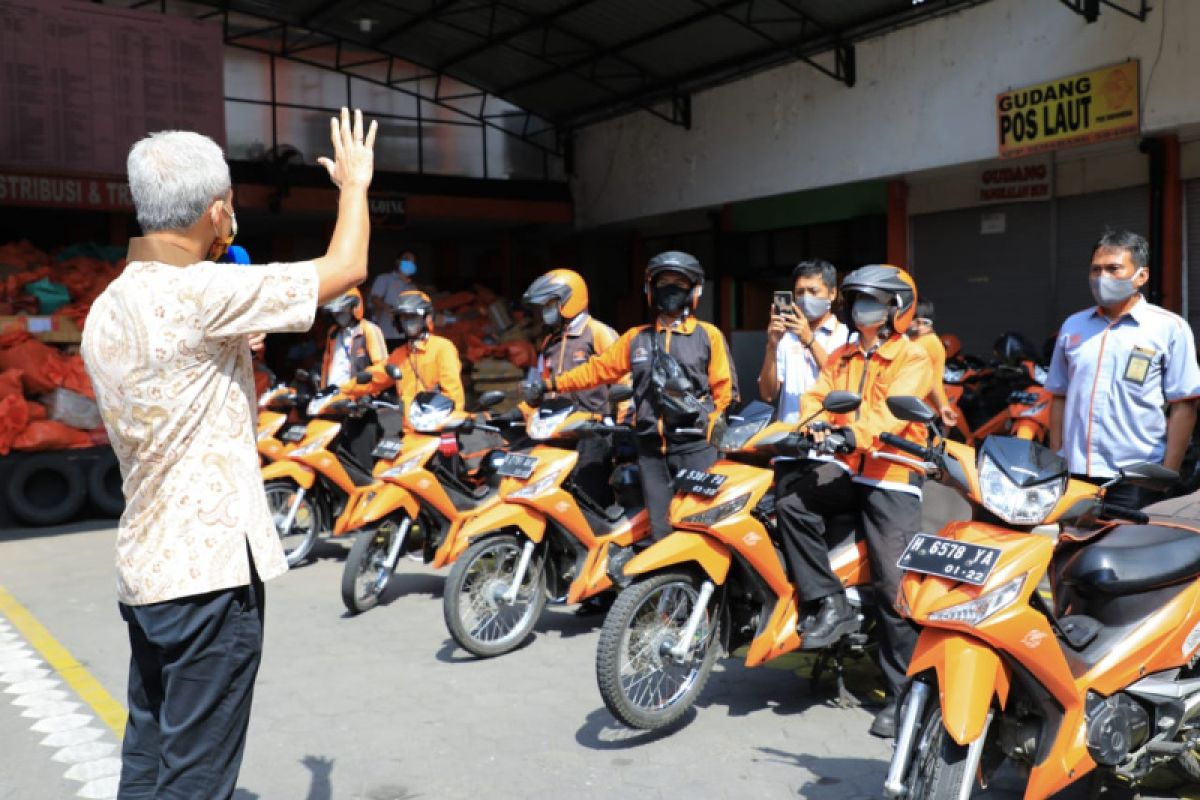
(1138, 366)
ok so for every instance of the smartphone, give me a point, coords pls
(783, 302)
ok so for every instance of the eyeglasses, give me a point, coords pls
(923, 321)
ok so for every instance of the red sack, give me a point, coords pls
(50, 435)
(36, 411)
(45, 367)
(75, 376)
(14, 417)
(10, 383)
(520, 353)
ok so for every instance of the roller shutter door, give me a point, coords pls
(1191, 192)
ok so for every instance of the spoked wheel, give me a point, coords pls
(645, 682)
(300, 536)
(938, 762)
(481, 613)
(367, 571)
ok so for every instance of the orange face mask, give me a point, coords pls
(221, 244)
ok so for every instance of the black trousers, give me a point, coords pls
(657, 480)
(1124, 494)
(806, 494)
(594, 468)
(360, 435)
(191, 681)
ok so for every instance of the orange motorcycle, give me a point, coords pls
(718, 581)
(422, 494)
(545, 538)
(311, 487)
(280, 423)
(1103, 677)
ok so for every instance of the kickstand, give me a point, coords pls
(818, 669)
(844, 698)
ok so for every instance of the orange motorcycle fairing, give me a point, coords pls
(969, 674)
(381, 499)
(302, 474)
(682, 547)
(593, 574)
(496, 517)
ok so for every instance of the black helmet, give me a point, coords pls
(1013, 349)
(889, 285)
(417, 303)
(675, 261)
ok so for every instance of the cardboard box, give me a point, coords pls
(55, 330)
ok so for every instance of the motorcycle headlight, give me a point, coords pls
(736, 436)
(717, 513)
(317, 404)
(264, 434)
(1016, 505)
(538, 487)
(403, 467)
(1033, 411)
(1040, 374)
(976, 611)
(540, 427)
(427, 420)
(312, 447)
(952, 375)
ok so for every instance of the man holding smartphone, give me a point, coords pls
(802, 334)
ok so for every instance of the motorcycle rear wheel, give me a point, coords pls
(642, 685)
(478, 619)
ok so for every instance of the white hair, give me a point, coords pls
(174, 176)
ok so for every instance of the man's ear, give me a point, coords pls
(1145, 276)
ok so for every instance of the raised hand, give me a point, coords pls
(353, 162)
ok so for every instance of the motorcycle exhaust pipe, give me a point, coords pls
(914, 709)
(679, 651)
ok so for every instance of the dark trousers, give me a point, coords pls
(658, 486)
(593, 469)
(191, 680)
(887, 520)
(360, 435)
(1124, 494)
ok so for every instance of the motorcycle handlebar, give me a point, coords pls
(1122, 512)
(904, 444)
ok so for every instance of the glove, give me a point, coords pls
(838, 441)
(532, 391)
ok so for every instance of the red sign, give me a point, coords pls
(1014, 183)
(57, 191)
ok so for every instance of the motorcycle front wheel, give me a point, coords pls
(478, 614)
(645, 685)
(367, 572)
(301, 536)
(938, 762)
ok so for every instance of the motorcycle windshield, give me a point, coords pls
(1026, 463)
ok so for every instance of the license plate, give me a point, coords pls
(387, 449)
(516, 465)
(692, 481)
(949, 558)
(294, 434)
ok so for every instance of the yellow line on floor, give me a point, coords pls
(65, 664)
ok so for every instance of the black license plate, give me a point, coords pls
(516, 465)
(294, 434)
(387, 449)
(949, 558)
(693, 481)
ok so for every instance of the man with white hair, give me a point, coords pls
(166, 346)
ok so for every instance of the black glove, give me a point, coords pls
(533, 391)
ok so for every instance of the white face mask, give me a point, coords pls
(868, 312)
(812, 307)
(1112, 291)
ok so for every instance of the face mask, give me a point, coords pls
(551, 316)
(221, 244)
(812, 307)
(408, 268)
(670, 298)
(343, 319)
(1111, 291)
(868, 312)
(412, 326)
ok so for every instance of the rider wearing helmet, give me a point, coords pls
(885, 495)
(683, 380)
(427, 362)
(353, 344)
(560, 300)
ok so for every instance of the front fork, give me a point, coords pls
(397, 545)
(510, 596)
(286, 526)
(914, 712)
(680, 650)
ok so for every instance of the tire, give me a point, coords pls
(306, 527)
(364, 577)
(104, 485)
(45, 489)
(477, 619)
(635, 625)
(939, 763)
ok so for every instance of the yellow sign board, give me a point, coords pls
(1089, 107)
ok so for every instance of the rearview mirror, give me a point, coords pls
(490, 398)
(840, 402)
(393, 372)
(363, 377)
(1147, 475)
(911, 409)
(619, 393)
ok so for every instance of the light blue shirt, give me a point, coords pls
(797, 369)
(1117, 378)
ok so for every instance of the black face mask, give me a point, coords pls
(670, 298)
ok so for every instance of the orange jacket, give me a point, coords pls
(932, 344)
(896, 367)
(427, 364)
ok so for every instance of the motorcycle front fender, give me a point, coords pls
(503, 515)
(380, 501)
(969, 675)
(682, 547)
(286, 468)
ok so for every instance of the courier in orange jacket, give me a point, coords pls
(885, 496)
(668, 439)
(427, 362)
(353, 345)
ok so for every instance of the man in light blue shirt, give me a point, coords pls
(1124, 375)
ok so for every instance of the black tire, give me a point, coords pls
(630, 613)
(939, 763)
(307, 524)
(470, 602)
(104, 485)
(364, 577)
(45, 489)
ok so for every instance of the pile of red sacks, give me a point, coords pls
(84, 276)
(462, 317)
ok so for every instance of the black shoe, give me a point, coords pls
(597, 604)
(884, 725)
(835, 619)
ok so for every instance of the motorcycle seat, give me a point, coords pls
(1131, 559)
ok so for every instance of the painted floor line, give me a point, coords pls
(105, 706)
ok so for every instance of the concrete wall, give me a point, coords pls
(925, 99)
